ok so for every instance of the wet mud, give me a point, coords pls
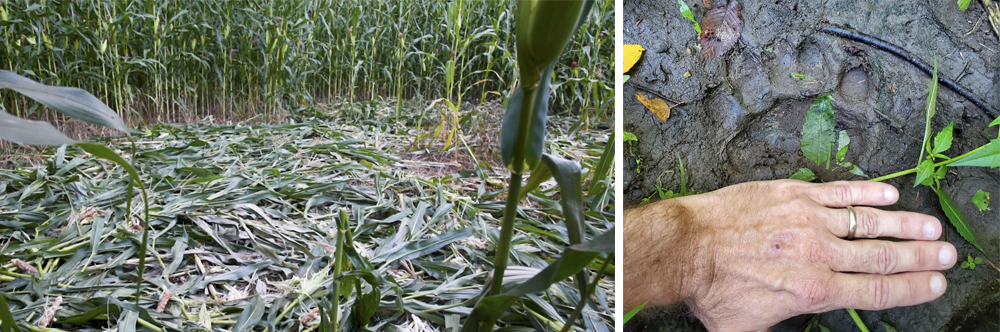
(744, 114)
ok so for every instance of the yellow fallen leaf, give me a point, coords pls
(630, 54)
(656, 105)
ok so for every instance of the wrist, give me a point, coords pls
(660, 252)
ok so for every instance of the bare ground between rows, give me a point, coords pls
(744, 115)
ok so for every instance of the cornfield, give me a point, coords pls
(160, 60)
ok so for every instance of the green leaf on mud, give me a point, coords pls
(963, 4)
(924, 173)
(817, 131)
(942, 141)
(951, 210)
(843, 141)
(686, 12)
(629, 137)
(931, 103)
(989, 156)
(982, 200)
(996, 122)
(628, 315)
(804, 174)
(941, 172)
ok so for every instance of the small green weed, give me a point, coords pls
(982, 200)
(801, 76)
(630, 137)
(963, 4)
(628, 315)
(970, 263)
(686, 12)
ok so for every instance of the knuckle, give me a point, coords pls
(880, 292)
(869, 222)
(815, 253)
(886, 259)
(811, 293)
(843, 193)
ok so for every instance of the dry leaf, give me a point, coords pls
(659, 107)
(630, 54)
(720, 29)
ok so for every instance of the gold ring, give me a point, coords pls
(854, 222)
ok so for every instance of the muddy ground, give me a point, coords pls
(744, 115)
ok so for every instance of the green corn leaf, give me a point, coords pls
(567, 175)
(603, 168)
(942, 141)
(73, 102)
(7, 322)
(951, 210)
(543, 29)
(804, 174)
(628, 315)
(30, 132)
(366, 304)
(931, 104)
(424, 247)
(686, 12)
(522, 136)
(574, 259)
(250, 315)
(539, 175)
(817, 131)
(963, 4)
(989, 156)
(996, 122)
(924, 173)
(982, 200)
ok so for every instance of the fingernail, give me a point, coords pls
(937, 284)
(944, 256)
(929, 230)
(890, 195)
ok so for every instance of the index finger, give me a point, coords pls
(844, 193)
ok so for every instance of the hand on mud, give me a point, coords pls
(748, 256)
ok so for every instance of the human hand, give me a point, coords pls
(748, 256)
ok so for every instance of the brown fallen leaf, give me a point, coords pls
(656, 105)
(720, 28)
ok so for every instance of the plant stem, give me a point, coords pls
(506, 233)
(914, 170)
(586, 296)
(857, 320)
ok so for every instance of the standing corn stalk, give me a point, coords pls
(543, 29)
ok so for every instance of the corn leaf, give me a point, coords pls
(250, 315)
(30, 132)
(539, 175)
(989, 156)
(7, 322)
(522, 136)
(817, 131)
(73, 102)
(956, 219)
(567, 174)
(486, 312)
